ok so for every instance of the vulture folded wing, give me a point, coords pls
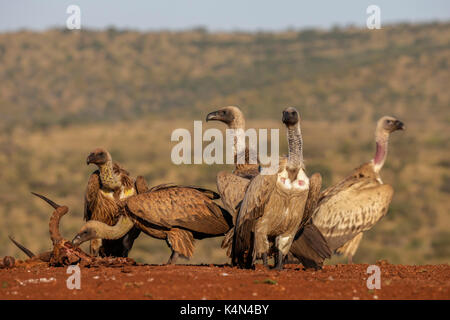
(252, 208)
(90, 197)
(180, 207)
(315, 183)
(232, 190)
(340, 216)
(141, 185)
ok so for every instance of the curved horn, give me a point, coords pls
(50, 202)
(21, 247)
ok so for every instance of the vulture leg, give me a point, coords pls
(350, 259)
(173, 258)
(95, 246)
(264, 258)
(278, 260)
(128, 240)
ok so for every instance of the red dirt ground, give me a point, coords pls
(225, 282)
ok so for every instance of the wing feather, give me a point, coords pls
(252, 208)
(341, 215)
(231, 189)
(90, 196)
(180, 207)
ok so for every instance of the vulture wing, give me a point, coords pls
(90, 196)
(354, 207)
(141, 185)
(310, 246)
(252, 208)
(190, 208)
(232, 190)
(315, 183)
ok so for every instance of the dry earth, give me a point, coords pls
(39, 281)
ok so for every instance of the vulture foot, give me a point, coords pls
(173, 258)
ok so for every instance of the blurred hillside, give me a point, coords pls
(62, 93)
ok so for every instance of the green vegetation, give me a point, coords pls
(64, 93)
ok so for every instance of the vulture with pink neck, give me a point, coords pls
(354, 205)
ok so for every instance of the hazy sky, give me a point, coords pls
(215, 15)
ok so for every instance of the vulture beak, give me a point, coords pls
(90, 159)
(213, 116)
(399, 125)
(77, 240)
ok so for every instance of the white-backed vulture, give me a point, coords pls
(232, 185)
(106, 186)
(355, 204)
(177, 214)
(272, 209)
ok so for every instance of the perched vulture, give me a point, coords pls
(106, 187)
(355, 204)
(272, 209)
(232, 185)
(177, 214)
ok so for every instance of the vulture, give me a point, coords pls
(272, 209)
(177, 214)
(345, 210)
(232, 185)
(106, 187)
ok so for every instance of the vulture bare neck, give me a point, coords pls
(245, 165)
(117, 231)
(295, 143)
(381, 153)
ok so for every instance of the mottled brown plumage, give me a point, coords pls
(106, 187)
(273, 205)
(177, 214)
(355, 204)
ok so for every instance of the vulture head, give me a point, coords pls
(98, 156)
(87, 232)
(290, 117)
(390, 124)
(231, 116)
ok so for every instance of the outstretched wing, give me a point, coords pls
(252, 208)
(344, 213)
(90, 196)
(189, 208)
